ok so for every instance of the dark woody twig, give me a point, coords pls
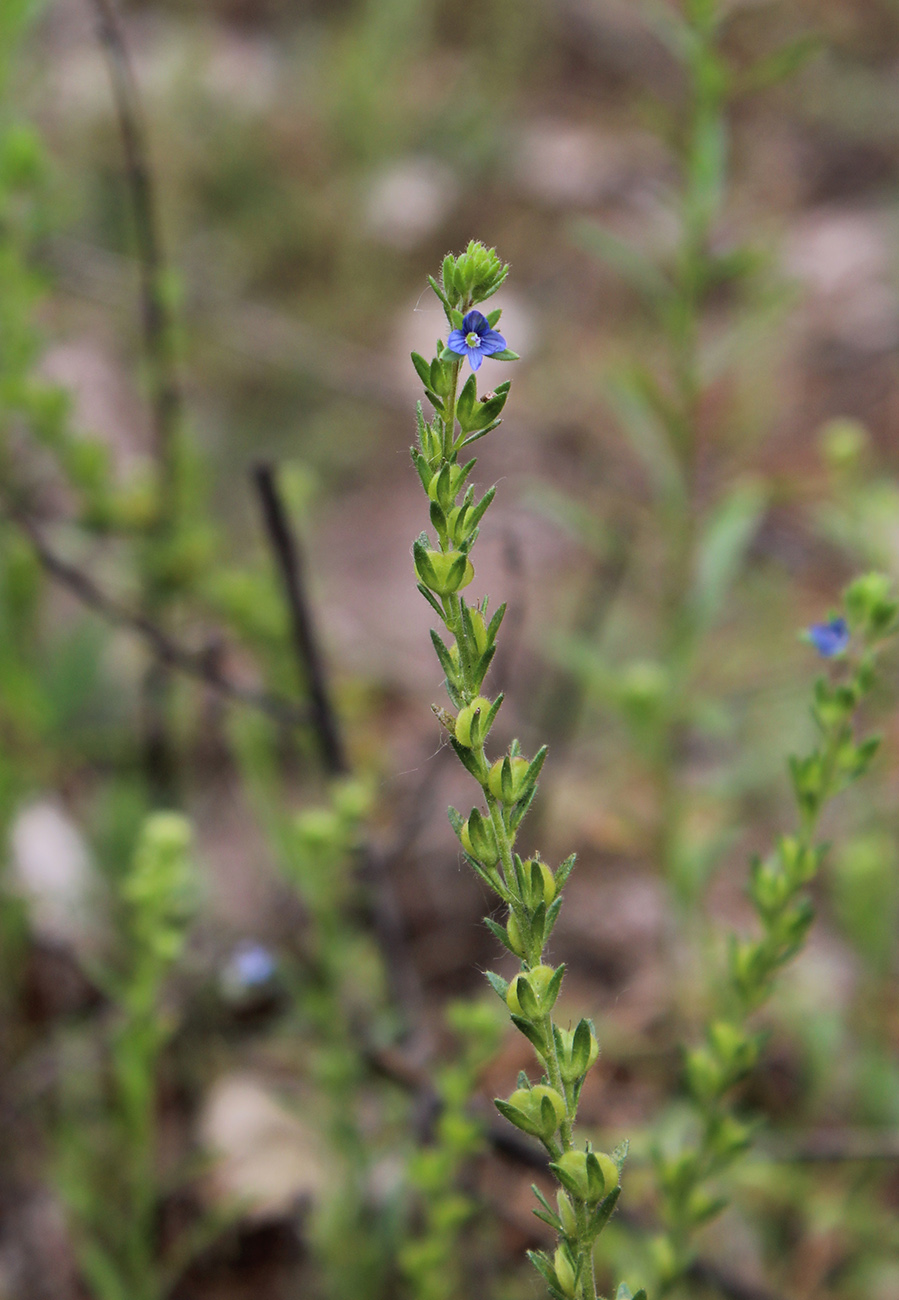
(286, 550)
(386, 914)
(156, 318)
(166, 650)
(165, 394)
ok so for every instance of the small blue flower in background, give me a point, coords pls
(829, 639)
(475, 340)
(249, 967)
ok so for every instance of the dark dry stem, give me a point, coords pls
(285, 547)
(156, 316)
(201, 666)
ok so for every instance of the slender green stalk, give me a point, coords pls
(107, 1157)
(532, 891)
(777, 890)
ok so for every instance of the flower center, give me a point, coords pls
(473, 339)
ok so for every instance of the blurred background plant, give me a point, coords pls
(309, 162)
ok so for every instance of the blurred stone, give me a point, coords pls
(36, 1258)
(844, 259)
(265, 1158)
(52, 870)
(566, 164)
(242, 72)
(104, 404)
(409, 201)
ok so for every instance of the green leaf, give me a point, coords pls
(640, 272)
(432, 601)
(516, 1117)
(779, 66)
(446, 663)
(498, 984)
(468, 760)
(499, 932)
(506, 355)
(422, 368)
(481, 667)
(650, 440)
(466, 402)
(603, 1212)
(552, 916)
(722, 549)
(708, 166)
(564, 871)
(442, 296)
(490, 878)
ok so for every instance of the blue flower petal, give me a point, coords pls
(475, 358)
(492, 342)
(474, 321)
(829, 639)
(456, 343)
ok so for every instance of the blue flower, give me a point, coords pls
(475, 340)
(829, 639)
(250, 966)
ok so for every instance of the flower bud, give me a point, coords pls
(474, 275)
(479, 839)
(469, 724)
(533, 993)
(507, 779)
(869, 604)
(443, 572)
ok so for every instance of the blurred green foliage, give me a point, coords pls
(310, 160)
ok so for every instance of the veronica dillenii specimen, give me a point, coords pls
(531, 890)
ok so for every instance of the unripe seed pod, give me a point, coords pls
(542, 892)
(473, 715)
(510, 789)
(479, 628)
(610, 1174)
(537, 981)
(565, 1271)
(530, 1102)
(479, 839)
(444, 572)
(589, 1175)
(513, 934)
(578, 1051)
(567, 1214)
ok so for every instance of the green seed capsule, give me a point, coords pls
(537, 981)
(513, 934)
(444, 572)
(472, 717)
(589, 1175)
(530, 1102)
(506, 779)
(479, 839)
(565, 1271)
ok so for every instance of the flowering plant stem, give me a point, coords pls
(777, 886)
(530, 889)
